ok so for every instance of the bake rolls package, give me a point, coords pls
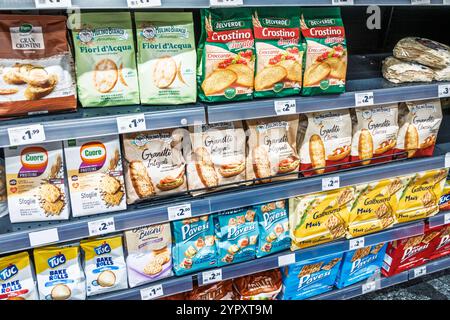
(17, 281)
(259, 286)
(399, 71)
(325, 141)
(37, 73)
(154, 164)
(272, 149)
(419, 125)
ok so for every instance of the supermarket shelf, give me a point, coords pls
(431, 267)
(439, 219)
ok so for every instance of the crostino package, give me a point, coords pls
(16, 278)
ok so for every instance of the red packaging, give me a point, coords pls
(440, 245)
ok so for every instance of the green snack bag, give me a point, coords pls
(226, 55)
(166, 57)
(105, 60)
(326, 51)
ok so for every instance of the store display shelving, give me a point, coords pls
(439, 219)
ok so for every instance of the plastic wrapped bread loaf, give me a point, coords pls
(424, 51)
(398, 71)
(442, 74)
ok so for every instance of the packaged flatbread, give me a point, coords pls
(105, 58)
(36, 65)
(272, 149)
(153, 164)
(279, 52)
(399, 71)
(17, 278)
(216, 155)
(166, 57)
(35, 183)
(442, 74)
(326, 51)
(95, 175)
(225, 55)
(325, 141)
(419, 123)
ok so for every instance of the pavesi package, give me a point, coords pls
(222, 290)
(440, 245)
(259, 286)
(16, 278)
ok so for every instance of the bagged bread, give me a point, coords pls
(16, 278)
(398, 71)
(442, 74)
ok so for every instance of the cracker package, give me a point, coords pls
(222, 290)
(16, 278)
(166, 57)
(154, 164)
(326, 51)
(326, 141)
(319, 217)
(259, 286)
(36, 74)
(440, 245)
(272, 149)
(35, 183)
(59, 273)
(419, 125)
(105, 58)
(217, 155)
(225, 55)
(444, 202)
(149, 252)
(279, 52)
(94, 170)
(194, 245)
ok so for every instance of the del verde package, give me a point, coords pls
(225, 55)
(105, 59)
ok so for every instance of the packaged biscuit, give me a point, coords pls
(166, 57)
(272, 149)
(105, 58)
(419, 198)
(419, 125)
(16, 278)
(279, 52)
(236, 235)
(319, 217)
(95, 175)
(444, 201)
(374, 134)
(35, 182)
(149, 252)
(194, 245)
(216, 155)
(326, 51)
(154, 164)
(104, 265)
(259, 286)
(361, 264)
(326, 139)
(273, 225)
(225, 55)
(59, 273)
(222, 290)
(440, 245)
(37, 72)
(311, 277)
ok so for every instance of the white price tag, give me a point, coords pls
(101, 226)
(143, 3)
(152, 292)
(286, 259)
(26, 135)
(363, 99)
(40, 238)
(447, 160)
(211, 276)
(225, 3)
(342, 2)
(420, 2)
(283, 107)
(420, 271)
(50, 4)
(132, 123)
(182, 211)
(356, 243)
(447, 2)
(330, 183)
(447, 218)
(444, 90)
(368, 287)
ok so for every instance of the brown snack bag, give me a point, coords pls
(217, 291)
(259, 286)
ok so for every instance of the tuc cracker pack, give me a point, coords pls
(279, 53)
(444, 202)
(104, 265)
(194, 244)
(35, 183)
(166, 57)
(326, 53)
(94, 170)
(16, 278)
(105, 58)
(59, 273)
(225, 55)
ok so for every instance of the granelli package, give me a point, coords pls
(225, 55)
(325, 140)
(166, 57)
(222, 290)
(105, 58)
(35, 183)
(326, 51)
(36, 65)
(17, 280)
(259, 286)
(440, 245)
(279, 52)
(419, 125)
(153, 164)
(272, 148)
(94, 170)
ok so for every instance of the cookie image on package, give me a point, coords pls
(106, 278)
(261, 164)
(111, 190)
(365, 146)
(331, 264)
(293, 69)
(310, 269)
(431, 236)
(152, 268)
(345, 196)
(361, 253)
(244, 74)
(316, 73)
(439, 176)
(317, 153)
(218, 81)
(393, 187)
(51, 199)
(335, 226)
(428, 199)
(105, 76)
(60, 292)
(267, 77)
(140, 179)
(205, 168)
(414, 241)
(377, 248)
(164, 72)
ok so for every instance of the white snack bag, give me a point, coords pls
(16, 278)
